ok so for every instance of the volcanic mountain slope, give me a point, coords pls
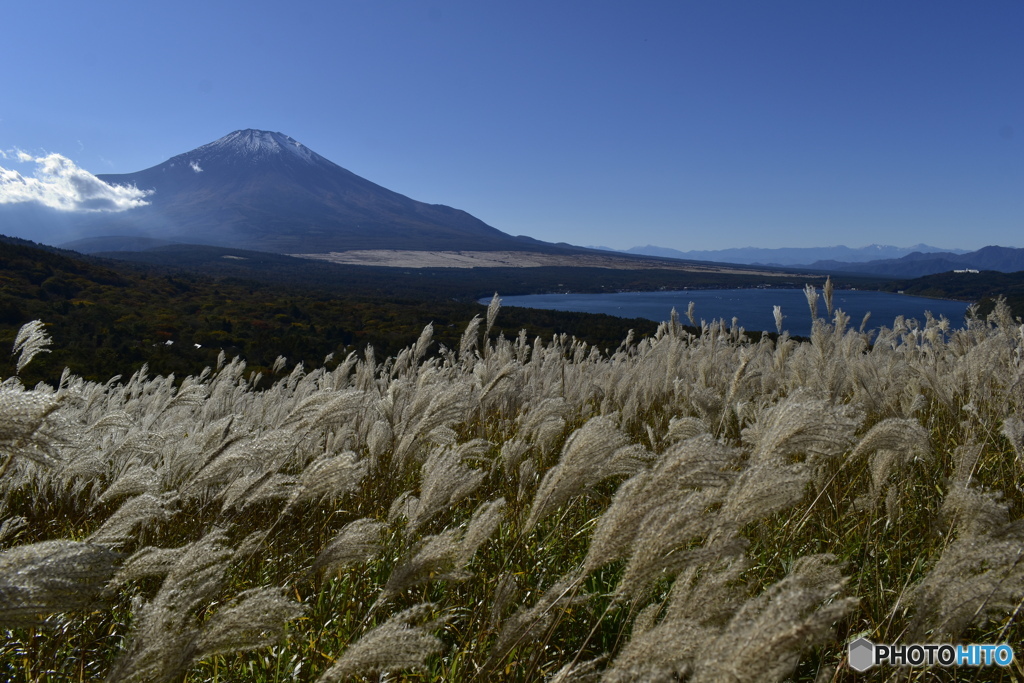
(255, 189)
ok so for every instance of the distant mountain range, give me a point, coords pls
(255, 189)
(1002, 259)
(790, 256)
(885, 261)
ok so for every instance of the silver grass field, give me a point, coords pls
(693, 506)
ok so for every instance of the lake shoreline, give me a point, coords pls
(753, 307)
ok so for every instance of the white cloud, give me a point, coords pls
(195, 167)
(59, 184)
(16, 154)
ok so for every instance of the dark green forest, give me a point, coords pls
(984, 288)
(108, 317)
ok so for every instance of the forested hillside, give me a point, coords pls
(110, 317)
(984, 287)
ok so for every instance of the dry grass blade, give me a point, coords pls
(1013, 430)
(802, 427)
(980, 575)
(401, 643)
(332, 477)
(594, 452)
(431, 559)
(702, 600)
(170, 634)
(163, 641)
(31, 340)
(529, 624)
(23, 426)
(444, 556)
(255, 618)
(358, 542)
(446, 481)
(762, 491)
(45, 578)
(482, 525)
(139, 511)
(647, 501)
(136, 480)
(763, 641)
(148, 562)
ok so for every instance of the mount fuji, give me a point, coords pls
(264, 191)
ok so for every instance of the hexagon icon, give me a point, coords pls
(862, 654)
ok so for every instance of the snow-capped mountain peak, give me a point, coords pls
(247, 147)
(258, 145)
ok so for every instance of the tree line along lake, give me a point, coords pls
(753, 308)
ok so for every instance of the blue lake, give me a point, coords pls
(752, 307)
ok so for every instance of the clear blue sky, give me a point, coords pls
(693, 125)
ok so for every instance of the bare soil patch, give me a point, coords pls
(395, 258)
